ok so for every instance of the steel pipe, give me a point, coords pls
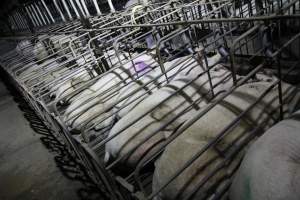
(97, 7)
(67, 9)
(40, 13)
(85, 8)
(19, 20)
(80, 7)
(36, 14)
(112, 8)
(40, 7)
(33, 16)
(59, 11)
(48, 11)
(74, 8)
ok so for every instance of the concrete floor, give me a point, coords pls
(27, 169)
(32, 164)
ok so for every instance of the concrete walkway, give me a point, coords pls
(28, 170)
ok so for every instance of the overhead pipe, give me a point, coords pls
(67, 9)
(35, 13)
(59, 11)
(80, 7)
(40, 13)
(74, 8)
(97, 7)
(48, 11)
(42, 10)
(85, 8)
(112, 8)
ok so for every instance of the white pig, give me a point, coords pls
(204, 130)
(133, 135)
(270, 168)
(114, 79)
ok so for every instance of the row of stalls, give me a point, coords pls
(163, 101)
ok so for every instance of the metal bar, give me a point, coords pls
(40, 13)
(12, 22)
(97, 7)
(225, 20)
(196, 118)
(48, 11)
(22, 25)
(36, 14)
(85, 8)
(111, 6)
(42, 10)
(59, 10)
(75, 9)
(30, 16)
(24, 20)
(67, 9)
(80, 8)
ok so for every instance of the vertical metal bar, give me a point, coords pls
(85, 8)
(59, 10)
(20, 21)
(279, 86)
(67, 9)
(112, 8)
(40, 13)
(12, 22)
(74, 8)
(33, 16)
(40, 6)
(36, 14)
(26, 16)
(17, 21)
(80, 7)
(97, 7)
(48, 11)
(23, 20)
(23, 25)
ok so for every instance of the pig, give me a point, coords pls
(204, 130)
(40, 51)
(124, 142)
(270, 168)
(114, 79)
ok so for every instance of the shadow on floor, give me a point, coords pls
(68, 166)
